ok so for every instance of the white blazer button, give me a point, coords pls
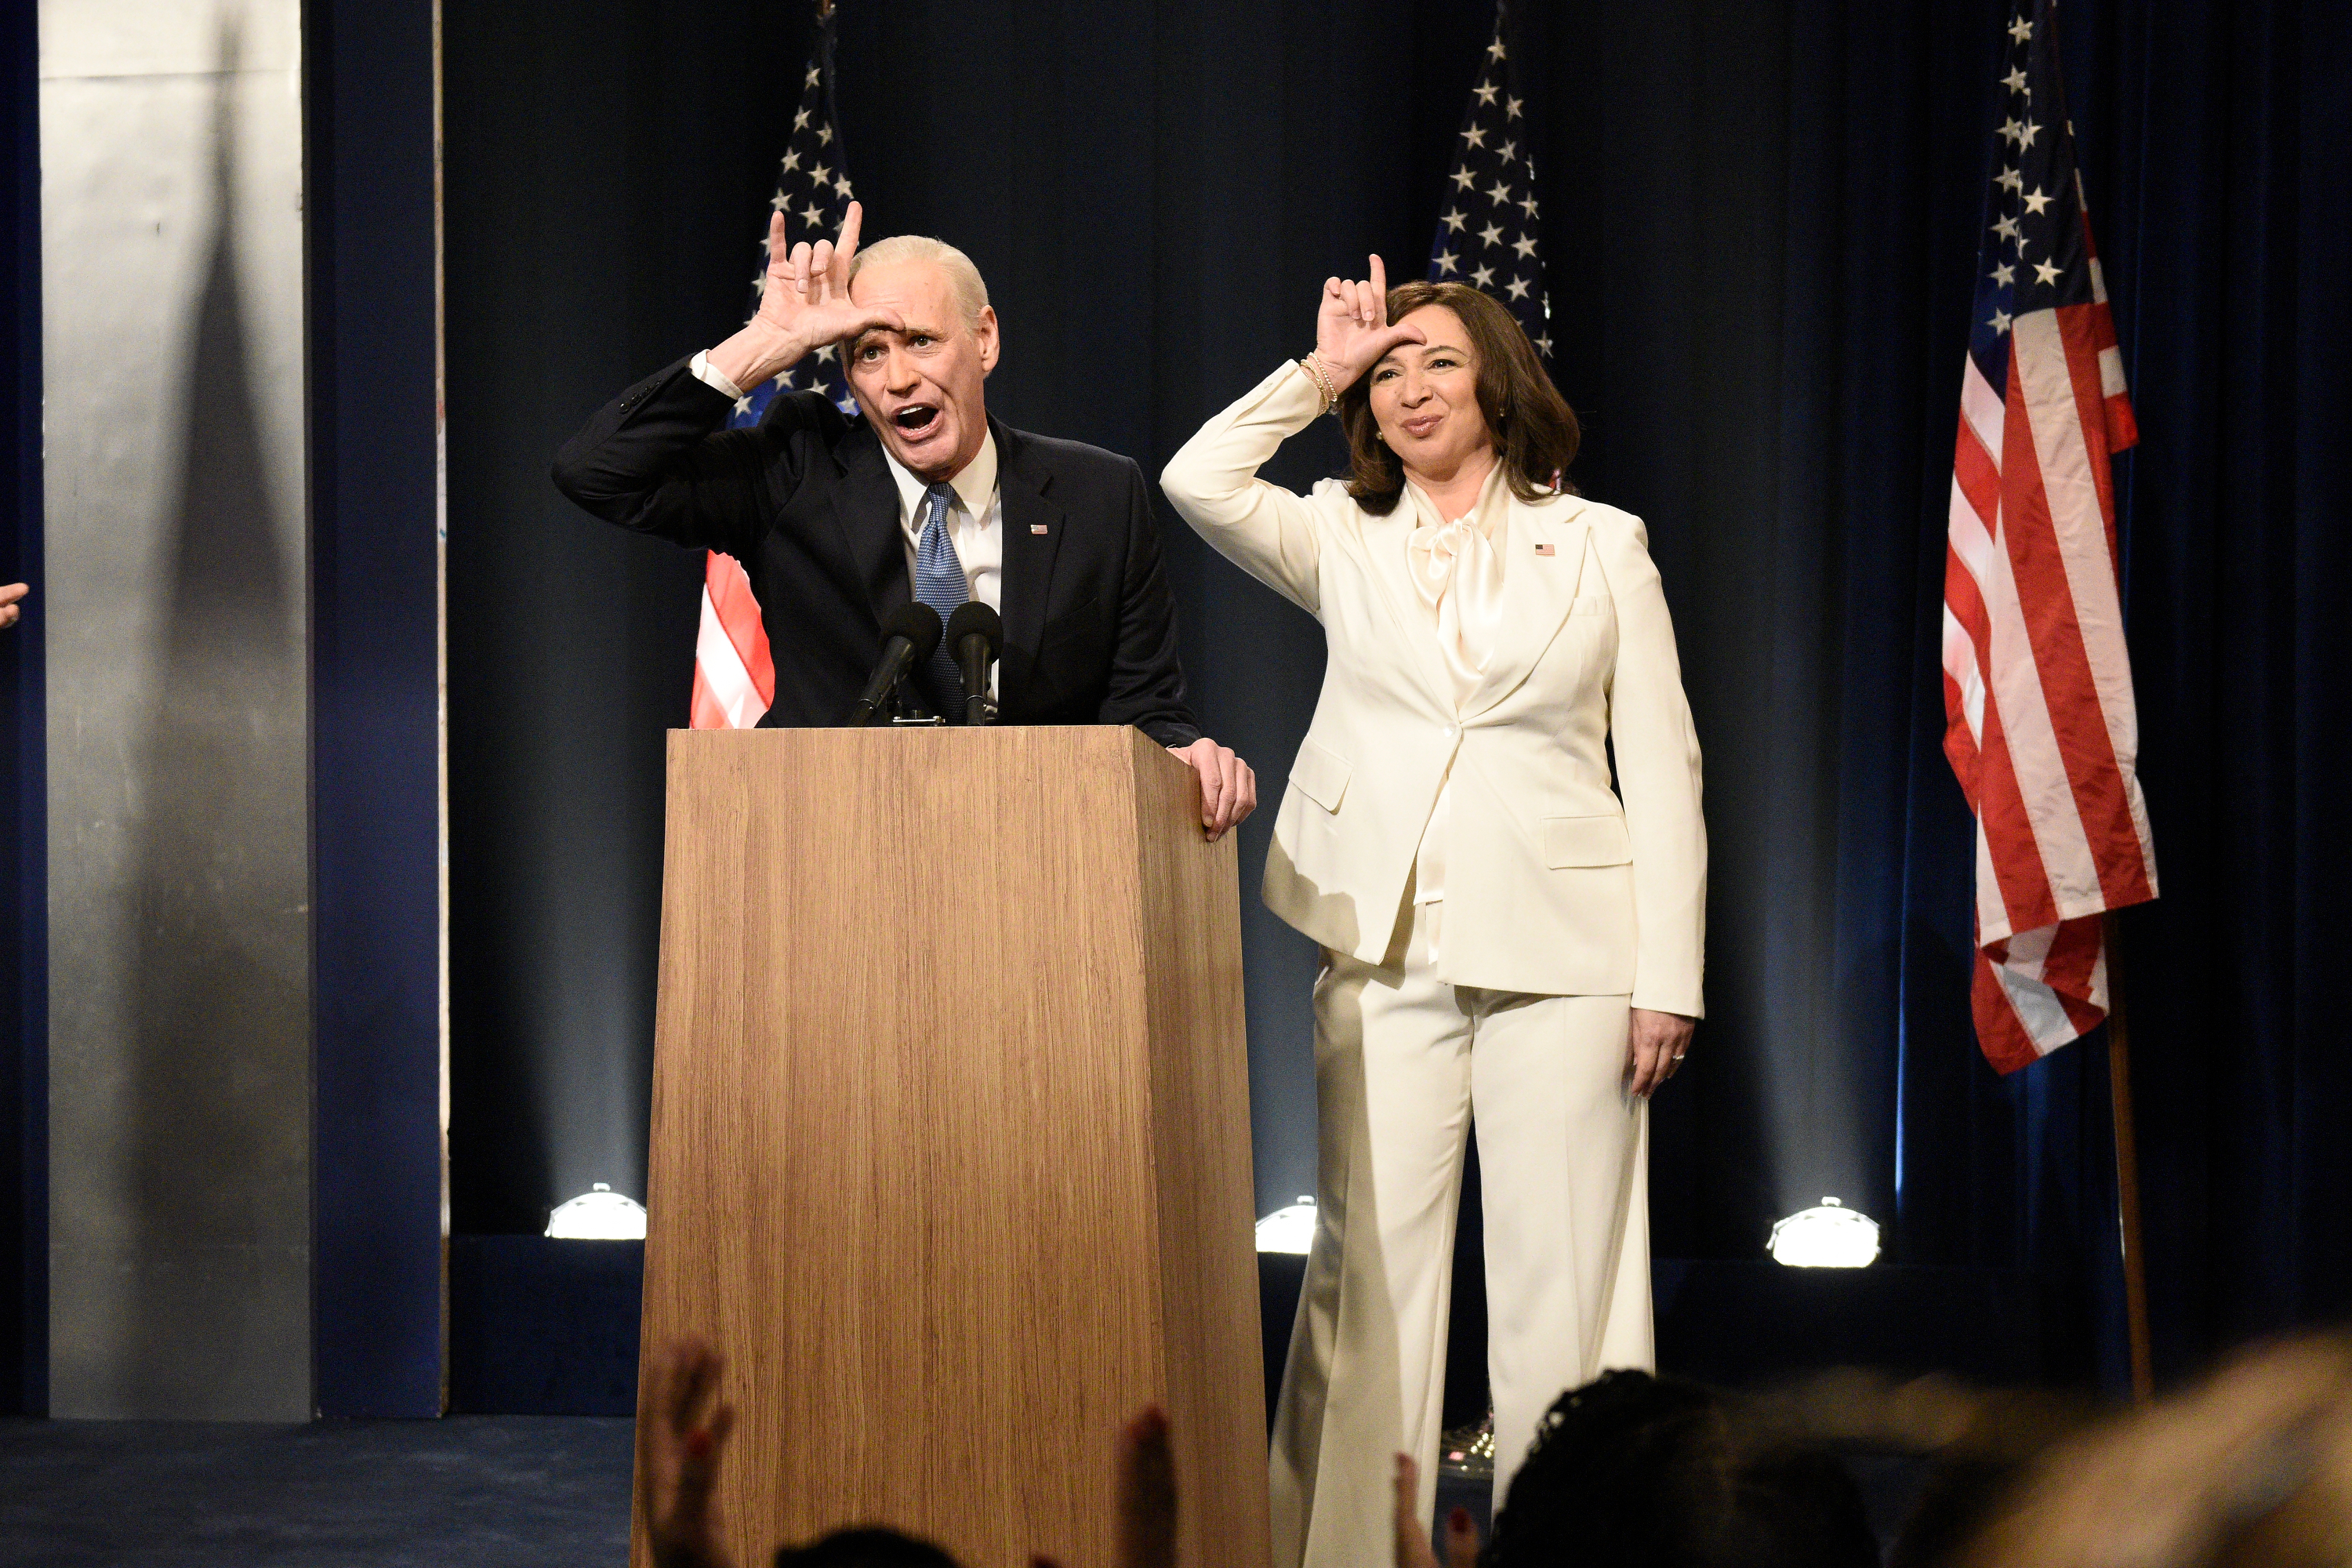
(1453, 732)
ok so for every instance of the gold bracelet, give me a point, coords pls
(1320, 375)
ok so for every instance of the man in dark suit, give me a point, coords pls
(839, 521)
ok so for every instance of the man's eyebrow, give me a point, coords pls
(912, 329)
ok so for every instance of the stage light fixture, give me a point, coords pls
(599, 1213)
(1829, 1236)
(1288, 1229)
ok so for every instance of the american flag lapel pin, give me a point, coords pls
(1543, 550)
(1037, 528)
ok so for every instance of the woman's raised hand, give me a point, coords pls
(1351, 328)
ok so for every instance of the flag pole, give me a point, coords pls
(2119, 1102)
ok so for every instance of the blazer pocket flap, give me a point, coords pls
(1586, 841)
(1321, 775)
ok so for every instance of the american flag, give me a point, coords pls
(1488, 232)
(2040, 722)
(734, 676)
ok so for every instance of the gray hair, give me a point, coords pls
(971, 293)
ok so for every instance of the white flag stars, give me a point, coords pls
(1491, 208)
(813, 194)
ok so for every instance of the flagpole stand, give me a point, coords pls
(2127, 1221)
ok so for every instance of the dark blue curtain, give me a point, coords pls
(2222, 134)
(1761, 221)
(23, 759)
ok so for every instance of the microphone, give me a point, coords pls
(911, 636)
(975, 635)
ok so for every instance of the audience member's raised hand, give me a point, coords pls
(1147, 1492)
(682, 1433)
(1412, 1546)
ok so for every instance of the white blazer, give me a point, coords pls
(1552, 884)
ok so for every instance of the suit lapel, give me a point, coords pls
(1384, 541)
(866, 506)
(1033, 526)
(1538, 590)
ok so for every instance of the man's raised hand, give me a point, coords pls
(1352, 325)
(805, 304)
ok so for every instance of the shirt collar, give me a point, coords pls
(1489, 510)
(976, 485)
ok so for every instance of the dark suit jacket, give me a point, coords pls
(806, 503)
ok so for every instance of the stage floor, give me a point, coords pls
(498, 1491)
(483, 1491)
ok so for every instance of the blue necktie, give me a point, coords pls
(940, 583)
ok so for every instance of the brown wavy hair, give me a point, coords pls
(1534, 429)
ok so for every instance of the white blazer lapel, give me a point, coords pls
(1383, 541)
(1540, 580)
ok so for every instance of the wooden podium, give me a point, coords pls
(950, 1135)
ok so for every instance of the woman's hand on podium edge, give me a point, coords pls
(805, 304)
(683, 1436)
(1413, 1547)
(1228, 785)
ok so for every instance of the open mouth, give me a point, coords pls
(917, 420)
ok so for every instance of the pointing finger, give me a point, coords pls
(850, 224)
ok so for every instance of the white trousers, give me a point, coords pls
(1402, 1063)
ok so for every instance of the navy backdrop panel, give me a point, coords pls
(606, 171)
(1761, 225)
(24, 811)
(2226, 236)
(376, 1287)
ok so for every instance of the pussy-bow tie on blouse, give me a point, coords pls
(1458, 573)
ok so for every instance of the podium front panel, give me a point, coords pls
(950, 1137)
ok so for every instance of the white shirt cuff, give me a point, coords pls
(703, 372)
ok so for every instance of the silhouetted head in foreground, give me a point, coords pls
(868, 1547)
(1634, 1469)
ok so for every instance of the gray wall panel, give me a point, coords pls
(179, 1076)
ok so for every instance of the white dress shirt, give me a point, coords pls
(975, 522)
(1458, 574)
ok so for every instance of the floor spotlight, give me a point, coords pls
(1288, 1229)
(599, 1213)
(1829, 1236)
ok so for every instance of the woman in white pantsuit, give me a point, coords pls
(1505, 936)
